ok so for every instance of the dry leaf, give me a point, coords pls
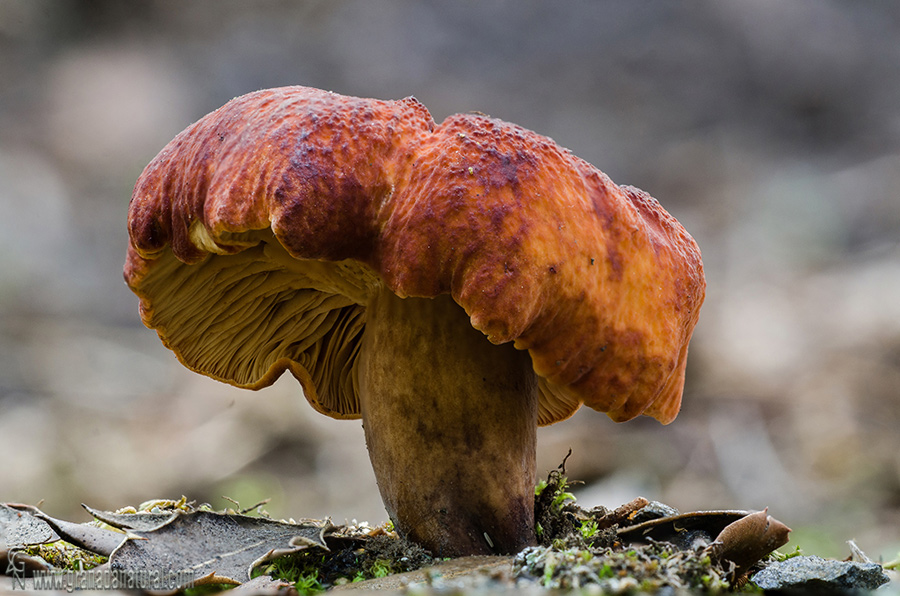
(264, 586)
(141, 520)
(215, 547)
(750, 539)
(682, 530)
(19, 527)
(97, 540)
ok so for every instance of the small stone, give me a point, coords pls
(653, 510)
(816, 574)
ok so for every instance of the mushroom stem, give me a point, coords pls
(450, 422)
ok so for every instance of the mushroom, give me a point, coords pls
(453, 285)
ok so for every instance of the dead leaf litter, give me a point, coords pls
(642, 546)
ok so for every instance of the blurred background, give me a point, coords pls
(770, 129)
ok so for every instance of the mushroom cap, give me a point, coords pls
(260, 232)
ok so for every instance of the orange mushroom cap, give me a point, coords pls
(258, 233)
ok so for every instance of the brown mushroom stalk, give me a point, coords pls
(454, 285)
(450, 423)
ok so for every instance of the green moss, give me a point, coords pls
(554, 505)
(382, 568)
(314, 571)
(588, 529)
(65, 556)
(301, 570)
(647, 568)
(779, 556)
(204, 589)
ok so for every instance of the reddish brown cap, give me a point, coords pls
(259, 232)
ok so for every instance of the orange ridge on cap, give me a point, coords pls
(596, 281)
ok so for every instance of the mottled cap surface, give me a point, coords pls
(260, 232)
